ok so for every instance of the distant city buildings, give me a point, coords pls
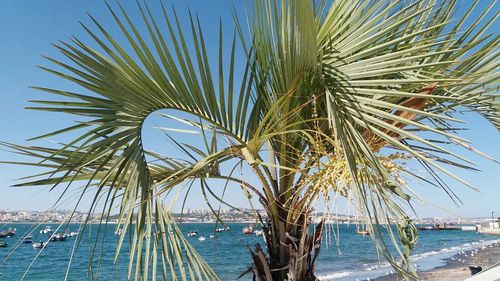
(41, 216)
(200, 216)
(58, 216)
(226, 215)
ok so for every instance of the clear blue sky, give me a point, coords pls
(27, 29)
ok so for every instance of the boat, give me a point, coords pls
(258, 233)
(40, 245)
(247, 229)
(57, 237)
(27, 239)
(61, 237)
(202, 238)
(221, 229)
(362, 232)
(192, 233)
(118, 232)
(3, 234)
(3, 244)
(46, 230)
(11, 232)
(72, 234)
(212, 236)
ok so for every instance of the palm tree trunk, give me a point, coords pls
(292, 250)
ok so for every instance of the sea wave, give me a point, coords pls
(455, 249)
(334, 275)
(380, 269)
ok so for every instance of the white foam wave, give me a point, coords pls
(334, 275)
(382, 267)
(456, 249)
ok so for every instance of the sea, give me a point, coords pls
(345, 255)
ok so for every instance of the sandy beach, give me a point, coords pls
(457, 267)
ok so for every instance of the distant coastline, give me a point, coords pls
(115, 222)
(205, 216)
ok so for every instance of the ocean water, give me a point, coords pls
(353, 257)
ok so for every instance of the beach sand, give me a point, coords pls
(457, 267)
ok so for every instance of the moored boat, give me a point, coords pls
(221, 229)
(11, 232)
(27, 239)
(247, 229)
(46, 230)
(202, 238)
(192, 233)
(362, 232)
(57, 237)
(40, 245)
(3, 244)
(3, 234)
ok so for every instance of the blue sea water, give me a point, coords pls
(353, 257)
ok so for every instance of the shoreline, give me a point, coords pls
(456, 268)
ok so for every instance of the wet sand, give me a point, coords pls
(457, 267)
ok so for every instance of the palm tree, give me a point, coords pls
(335, 97)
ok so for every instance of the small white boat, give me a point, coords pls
(40, 245)
(192, 233)
(258, 232)
(58, 237)
(202, 238)
(221, 229)
(212, 236)
(73, 234)
(46, 230)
